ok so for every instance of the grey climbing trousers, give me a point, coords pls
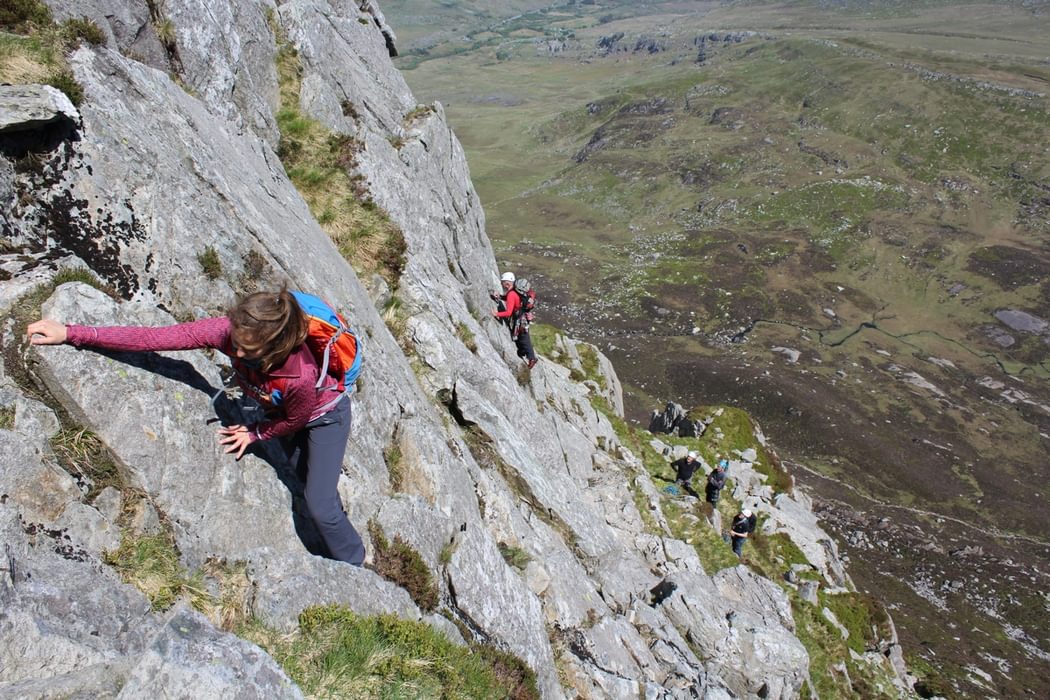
(318, 451)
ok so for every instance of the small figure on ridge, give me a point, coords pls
(743, 525)
(514, 307)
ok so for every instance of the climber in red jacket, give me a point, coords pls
(509, 310)
(264, 336)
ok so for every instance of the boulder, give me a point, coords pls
(32, 107)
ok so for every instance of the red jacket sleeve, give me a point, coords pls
(512, 303)
(208, 333)
(300, 403)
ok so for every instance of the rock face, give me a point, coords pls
(33, 107)
(675, 420)
(153, 177)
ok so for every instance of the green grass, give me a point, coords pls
(210, 264)
(337, 654)
(81, 28)
(24, 15)
(466, 336)
(7, 418)
(87, 458)
(35, 49)
(543, 342)
(514, 556)
(864, 617)
(543, 335)
(151, 564)
(397, 562)
(322, 166)
(395, 465)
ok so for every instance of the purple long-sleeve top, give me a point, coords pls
(296, 378)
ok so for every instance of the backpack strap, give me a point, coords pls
(327, 357)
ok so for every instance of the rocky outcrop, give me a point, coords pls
(490, 455)
(70, 628)
(33, 108)
(675, 420)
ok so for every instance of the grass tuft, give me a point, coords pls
(418, 112)
(210, 263)
(395, 465)
(86, 458)
(322, 165)
(514, 556)
(63, 79)
(7, 418)
(151, 564)
(23, 16)
(466, 336)
(397, 562)
(166, 34)
(76, 29)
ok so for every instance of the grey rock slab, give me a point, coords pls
(35, 420)
(345, 60)
(88, 530)
(31, 480)
(229, 61)
(1022, 321)
(29, 107)
(793, 515)
(61, 613)
(537, 577)
(108, 502)
(744, 643)
(490, 594)
(188, 658)
(423, 527)
(288, 583)
(153, 411)
(618, 649)
(102, 680)
(534, 462)
(204, 179)
(571, 596)
(446, 627)
(126, 23)
(738, 587)
(623, 578)
(432, 470)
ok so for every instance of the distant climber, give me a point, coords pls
(511, 310)
(684, 469)
(716, 481)
(722, 462)
(264, 336)
(740, 530)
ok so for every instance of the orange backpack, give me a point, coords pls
(336, 347)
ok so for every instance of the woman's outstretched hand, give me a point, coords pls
(46, 332)
(236, 438)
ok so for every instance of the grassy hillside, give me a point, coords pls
(833, 214)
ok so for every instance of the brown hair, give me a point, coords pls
(270, 323)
